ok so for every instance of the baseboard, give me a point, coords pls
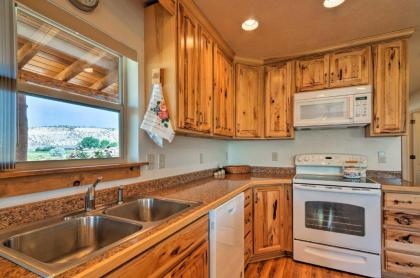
(269, 256)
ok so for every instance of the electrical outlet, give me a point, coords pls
(381, 157)
(161, 162)
(227, 156)
(274, 156)
(201, 158)
(151, 161)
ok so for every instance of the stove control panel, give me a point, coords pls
(337, 160)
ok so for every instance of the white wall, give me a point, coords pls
(259, 153)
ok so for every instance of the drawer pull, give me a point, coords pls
(403, 220)
(405, 239)
(405, 265)
(396, 202)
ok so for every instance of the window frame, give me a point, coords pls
(69, 97)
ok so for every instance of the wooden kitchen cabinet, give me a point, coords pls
(248, 226)
(272, 219)
(180, 40)
(249, 101)
(224, 98)
(312, 73)
(350, 67)
(279, 91)
(401, 234)
(390, 89)
(193, 266)
(183, 254)
(205, 81)
(187, 69)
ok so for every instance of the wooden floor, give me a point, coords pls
(286, 267)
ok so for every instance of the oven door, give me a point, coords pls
(338, 216)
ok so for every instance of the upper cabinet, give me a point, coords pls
(279, 101)
(390, 89)
(224, 98)
(188, 45)
(338, 69)
(205, 90)
(349, 68)
(312, 73)
(249, 101)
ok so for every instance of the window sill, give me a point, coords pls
(19, 182)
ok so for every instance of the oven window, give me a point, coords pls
(335, 217)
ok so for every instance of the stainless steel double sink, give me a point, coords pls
(53, 246)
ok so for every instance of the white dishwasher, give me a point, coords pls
(227, 239)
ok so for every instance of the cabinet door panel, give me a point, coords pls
(267, 223)
(194, 266)
(205, 92)
(248, 101)
(350, 67)
(312, 73)
(187, 69)
(279, 101)
(390, 94)
(223, 95)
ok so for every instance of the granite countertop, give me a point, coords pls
(210, 192)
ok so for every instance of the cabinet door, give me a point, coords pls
(194, 266)
(350, 67)
(248, 101)
(224, 106)
(205, 92)
(279, 101)
(271, 219)
(187, 69)
(390, 93)
(312, 73)
(287, 228)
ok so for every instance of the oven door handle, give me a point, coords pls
(347, 190)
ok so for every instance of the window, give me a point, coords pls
(70, 101)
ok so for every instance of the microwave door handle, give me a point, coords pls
(351, 107)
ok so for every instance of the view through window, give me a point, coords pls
(69, 101)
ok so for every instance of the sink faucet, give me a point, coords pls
(90, 195)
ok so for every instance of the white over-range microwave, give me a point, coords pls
(343, 107)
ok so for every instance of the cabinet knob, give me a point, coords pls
(403, 220)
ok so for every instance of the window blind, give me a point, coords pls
(7, 86)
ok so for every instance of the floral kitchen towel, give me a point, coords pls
(156, 121)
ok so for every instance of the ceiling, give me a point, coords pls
(288, 27)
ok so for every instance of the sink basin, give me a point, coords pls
(47, 250)
(149, 209)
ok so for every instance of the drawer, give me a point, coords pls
(248, 246)
(248, 198)
(402, 263)
(402, 201)
(247, 220)
(402, 219)
(402, 240)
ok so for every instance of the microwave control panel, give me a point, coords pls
(362, 108)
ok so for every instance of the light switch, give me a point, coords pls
(381, 157)
(161, 162)
(151, 161)
(274, 156)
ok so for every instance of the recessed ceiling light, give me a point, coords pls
(332, 3)
(250, 24)
(89, 70)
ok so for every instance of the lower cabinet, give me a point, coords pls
(401, 234)
(248, 226)
(272, 220)
(184, 254)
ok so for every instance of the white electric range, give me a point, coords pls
(336, 221)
